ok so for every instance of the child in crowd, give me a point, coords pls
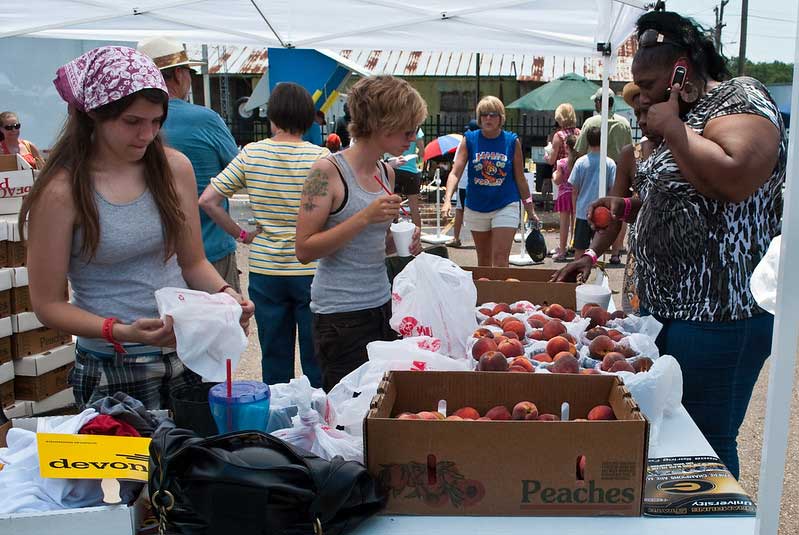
(584, 178)
(344, 220)
(564, 204)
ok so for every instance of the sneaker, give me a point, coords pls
(455, 243)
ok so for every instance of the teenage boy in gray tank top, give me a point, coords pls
(344, 220)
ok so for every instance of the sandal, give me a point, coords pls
(560, 257)
(455, 243)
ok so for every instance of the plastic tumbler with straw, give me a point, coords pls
(239, 405)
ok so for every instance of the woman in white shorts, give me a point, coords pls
(494, 161)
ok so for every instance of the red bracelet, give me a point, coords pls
(242, 235)
(223, 288)
(108, 334)
(628, 206)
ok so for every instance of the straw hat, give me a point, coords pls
(166, 53)
(597, 95)
(629, 93)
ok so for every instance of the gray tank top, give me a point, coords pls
(128, 266)
(354, 277)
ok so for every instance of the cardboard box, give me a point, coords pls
(6, 384)
(20, 294)
(3, 244)
(16, 253)
(45, 362)
(100, 520)
(16, 176)
(516, 468)
(6, 289)
(40, 387)
(5, 340)
(534, 286)
(31, 337)
(19, 409)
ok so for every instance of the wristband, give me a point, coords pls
(528, 200)
(592, 254)
(223, 288)
(242, 235)
(628, 206)
(108, 335)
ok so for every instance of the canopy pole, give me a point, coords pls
(603, 145)
(783, 342)
(206, 79)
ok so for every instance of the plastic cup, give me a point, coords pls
(592, 293)
(246, 410)
(403, 237)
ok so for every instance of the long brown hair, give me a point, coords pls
(571, 143)
(73, 152)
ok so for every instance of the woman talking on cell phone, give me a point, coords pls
(710, 203)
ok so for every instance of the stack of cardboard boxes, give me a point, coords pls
(34, 360)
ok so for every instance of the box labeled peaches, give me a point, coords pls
(508, 285)
(520, 458)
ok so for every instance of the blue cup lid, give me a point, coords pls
(243, 392)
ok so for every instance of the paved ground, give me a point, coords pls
(750, 440)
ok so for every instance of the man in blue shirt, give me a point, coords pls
(200, 134)
(584, 178)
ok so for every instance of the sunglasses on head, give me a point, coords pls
(491, 114)
(10, 127)
(652, 37)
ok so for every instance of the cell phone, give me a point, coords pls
(679, 75)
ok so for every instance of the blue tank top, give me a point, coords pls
(491, 184)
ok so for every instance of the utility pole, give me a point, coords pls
(719, 11)
(742, 50)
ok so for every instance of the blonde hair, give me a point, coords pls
(565, 116)
(490, 104)
(384, 103)
(8, 115)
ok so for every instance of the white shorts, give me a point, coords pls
(507, 217)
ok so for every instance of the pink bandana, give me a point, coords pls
(105, 75)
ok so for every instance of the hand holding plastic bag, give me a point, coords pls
(207, 329)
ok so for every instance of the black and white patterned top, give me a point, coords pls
(695, 255)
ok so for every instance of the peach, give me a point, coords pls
(501, 307)
(561, 355)
(566, 364)
(615, 335)
(484, 419)
(491, 321)
(506, 320)
(482, 332)
(499, 412)
(596, 331)
(618, 315)
(610, 359)
(540, 317)
(601, 412)
(627, 351)
(493, 361)
(622, 366)
(535, 323)
(486, 311)
(516, 327)
(553, 328)
(557, 344)
(642, 364)
(516, 369)
(589, 371)
(498, 339)
(484, 279)
(569, 337)
(601, 217)
(556, 311)
(542, 357)
(548, 417)
(430, 415)
(511, 348)
(537, 335)
(408, 416)
(517, 309)
(573, 349)
(524, 410)
(512, 280)
(467, 413)
(523, 363)
(453, 417)
(570, 315)
(587, 307)
(598, 317)
(510, 334)
(581, 468)
(601, 346)
(483, 345)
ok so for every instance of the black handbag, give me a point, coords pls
(254, 483)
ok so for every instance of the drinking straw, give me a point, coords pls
(229, 396)
(377, 179)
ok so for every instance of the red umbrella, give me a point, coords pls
(442, 147)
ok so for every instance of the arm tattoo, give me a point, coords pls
(315, 186)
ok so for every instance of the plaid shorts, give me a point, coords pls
(150, 379)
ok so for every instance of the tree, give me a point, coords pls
(775, 72)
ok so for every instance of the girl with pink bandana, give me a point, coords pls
(114, 212)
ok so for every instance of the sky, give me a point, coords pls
(771, 30)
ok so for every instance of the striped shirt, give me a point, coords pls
(273, 173)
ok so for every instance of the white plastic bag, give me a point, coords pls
(349, 400)
(764, 278)
(310, 433)
(207, 329)
(658, 392)
(432, 296)
(287, 398)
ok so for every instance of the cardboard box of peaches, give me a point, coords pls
(480, 443)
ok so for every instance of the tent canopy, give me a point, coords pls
(571, 88)
(543, 26)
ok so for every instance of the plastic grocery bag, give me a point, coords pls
(432, 296)
(764, 278)
(287, 398)
(207, 329)
(658, 392)
(310, 433)
(349, 400)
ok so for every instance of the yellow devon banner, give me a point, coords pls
(93, 456)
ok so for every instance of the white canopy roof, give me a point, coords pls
(545, 26)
